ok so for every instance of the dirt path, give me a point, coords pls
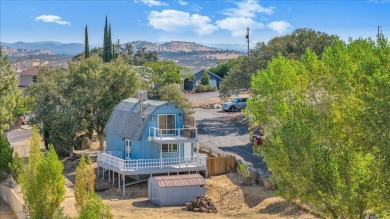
(231, 200)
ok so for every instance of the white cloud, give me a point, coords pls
(279, 26)
(151, 3)
(237, 25)
(178, 21)
(181, 2)
(248, 8)
(52, 19)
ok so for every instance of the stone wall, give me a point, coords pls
(10, 195)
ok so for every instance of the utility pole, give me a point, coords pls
(247, 38)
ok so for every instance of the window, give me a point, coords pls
(127, 149)
(169, 148)
(34, 78)
(167, 123)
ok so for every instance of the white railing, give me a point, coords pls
(151, 164)
(180, 132)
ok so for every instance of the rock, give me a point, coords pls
(85, 143)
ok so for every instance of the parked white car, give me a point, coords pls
(235, 104)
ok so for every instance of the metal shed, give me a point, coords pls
(175, 190)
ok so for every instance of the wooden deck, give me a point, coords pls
(111, 161)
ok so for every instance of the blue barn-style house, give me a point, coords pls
(146, 137)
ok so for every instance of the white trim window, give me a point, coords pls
(127, 149)
(167, 123)
(169, 148)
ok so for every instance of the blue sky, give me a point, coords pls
(202, 21)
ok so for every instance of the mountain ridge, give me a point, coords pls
(75, 48)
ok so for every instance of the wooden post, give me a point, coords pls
(109, 176)
(104, 170)
(119, 182)
(123, 188)
(113, 178)
(179, 154)
(160, 155)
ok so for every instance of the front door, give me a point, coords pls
(187, 150)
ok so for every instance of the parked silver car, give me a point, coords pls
(235, 104)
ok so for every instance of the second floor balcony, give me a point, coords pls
(179, 135)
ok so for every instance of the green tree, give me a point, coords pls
(52, 99)
(95, 208)
(172, 93)
(327, 127)
(222, 68)
(92, 81)
(291, 46)
(42, 181)
(5, 157)
(205, 80)
(84, 184)
(86, 49)
(163, 73)
(9, 93)
(105, 42)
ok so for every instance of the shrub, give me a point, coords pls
(204, 88)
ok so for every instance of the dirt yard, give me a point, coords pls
(231, 200)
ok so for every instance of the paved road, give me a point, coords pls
(226, 132)
(18, 135)
(203, 96)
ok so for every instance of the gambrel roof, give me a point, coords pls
(126, 121)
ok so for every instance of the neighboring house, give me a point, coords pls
(27, 77)
(149, 137)
(215, 80)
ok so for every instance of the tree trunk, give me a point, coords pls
(101, 141)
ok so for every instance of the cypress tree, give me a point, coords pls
(109, 42)
(105, 42)
(86, 49)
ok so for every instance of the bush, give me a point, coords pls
(205, 88)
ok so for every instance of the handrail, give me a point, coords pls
(150, 164)
(179, 132)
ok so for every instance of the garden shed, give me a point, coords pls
(176, 189)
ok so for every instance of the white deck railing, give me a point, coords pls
(180, 133)
(151, 164)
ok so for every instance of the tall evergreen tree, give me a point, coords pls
(105, 42)
(110, 47)
(86, 49)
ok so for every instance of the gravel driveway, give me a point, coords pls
(226, 132)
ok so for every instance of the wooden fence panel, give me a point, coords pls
(221, 165)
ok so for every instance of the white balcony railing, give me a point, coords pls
(150, 164)
(180, 133)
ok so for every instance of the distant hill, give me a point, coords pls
(173, 46)
(180, 52)
(187, 53)
(22, 59)
(55, 47)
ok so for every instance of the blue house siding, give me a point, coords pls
(145, 149)
(114, 143)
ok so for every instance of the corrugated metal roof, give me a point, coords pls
(125, 119)
(180, 180)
